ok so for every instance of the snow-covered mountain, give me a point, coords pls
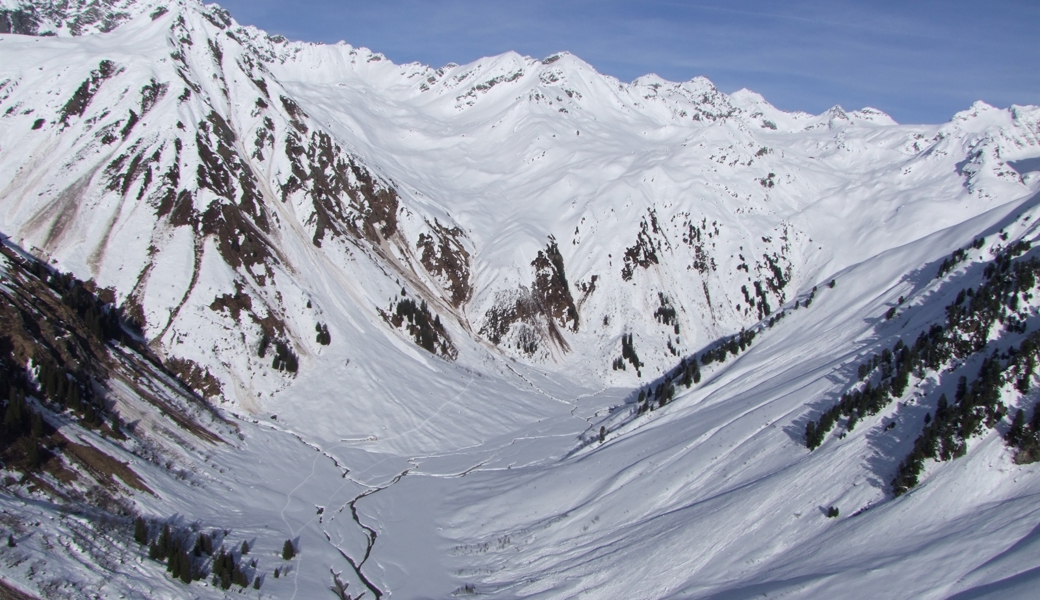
(476, 271)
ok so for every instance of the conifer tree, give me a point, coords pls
(140, 531)
(164, 543)
(1014, 434)
(185, 566)
(32, 454)
(14, 414)
(36, 424)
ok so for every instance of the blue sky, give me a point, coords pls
(918, 60)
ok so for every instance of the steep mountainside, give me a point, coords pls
(543, 332)
(214, 175)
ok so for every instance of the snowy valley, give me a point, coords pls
(512, 328)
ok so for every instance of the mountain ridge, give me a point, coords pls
(713, 121)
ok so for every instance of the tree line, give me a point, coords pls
(966, 332)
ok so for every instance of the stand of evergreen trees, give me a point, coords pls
(977, 405)
(190, 556)
(970, 319)
(172, 546)
(284, 357)
(628, 352)
(687, 373)
(424, 327)
(323, 336)
(958, 256)
(23, 430)
(734, 345)
(227, 571)
(57, 375)
(665, 313)
(1025, 439)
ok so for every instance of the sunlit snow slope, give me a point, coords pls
(429, 299)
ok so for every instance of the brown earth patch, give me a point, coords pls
(103, 467)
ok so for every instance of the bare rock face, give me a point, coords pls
(346, 198)
(527, 318)
(550, 287)
(443, 256)
(643, 253)
(76, 17)
(516, 320)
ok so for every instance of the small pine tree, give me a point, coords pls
(173, 565)
(32, 454)
(832, 512)
(14, 413)
(667, 394)
(602, 434)
(288, 551)
(72, 396)
(185, 564)
(10, 541)
(324, 338)
(36, 424)
(204, 545)
(163, 544)
(140, 531)
(245, 547)
(1014, 434)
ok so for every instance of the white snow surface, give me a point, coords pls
(478, 475)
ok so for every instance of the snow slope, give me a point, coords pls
(237, 192)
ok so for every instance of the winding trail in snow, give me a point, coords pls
(370, 533)
(356, 477)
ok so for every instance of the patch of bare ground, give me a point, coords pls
(9, 592)
(103, 468)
